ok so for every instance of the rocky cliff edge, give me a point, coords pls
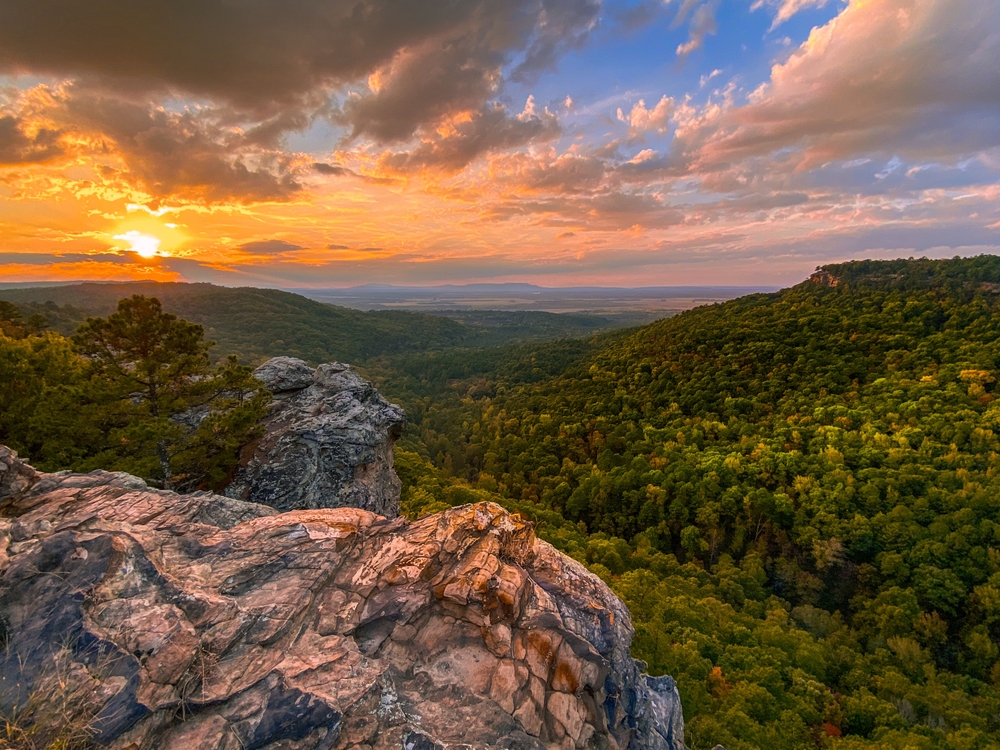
(138, 618)
(327, 442)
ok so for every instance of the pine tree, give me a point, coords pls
(160, 401)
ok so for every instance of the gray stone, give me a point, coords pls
(327, 443)
(16, 477)
(665, 715)
(283, 374)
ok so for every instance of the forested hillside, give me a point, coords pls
(260, 323)
(797, 494)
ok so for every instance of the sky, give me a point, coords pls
(329, 143)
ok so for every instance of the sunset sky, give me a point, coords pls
(560, 142)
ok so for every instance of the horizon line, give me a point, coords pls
(375, 286)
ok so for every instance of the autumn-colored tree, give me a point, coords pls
(14, 325)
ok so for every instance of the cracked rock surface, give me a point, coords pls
(327, 442)
(206, 622)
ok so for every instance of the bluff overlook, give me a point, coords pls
(147, 618)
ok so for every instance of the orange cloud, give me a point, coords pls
(889, 77)
(642, 120)
(444, 182)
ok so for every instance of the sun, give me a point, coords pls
(142, 244)
(147, 237)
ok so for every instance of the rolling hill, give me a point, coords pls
(797, 494)
(260, 323)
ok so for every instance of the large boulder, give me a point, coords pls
(144, 619)
(327, 442)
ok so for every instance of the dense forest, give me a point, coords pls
(135, 391)
(797, 494)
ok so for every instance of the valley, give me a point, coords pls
(795, 493)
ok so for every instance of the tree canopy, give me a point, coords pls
(797, 494)
(259, 323)
(133, 392)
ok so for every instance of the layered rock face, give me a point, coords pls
(327, 442)
(159, 620)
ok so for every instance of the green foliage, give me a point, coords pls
(521, 326)
(797, 494)
(981, 272)
(15, 325)
(141, 349)
(43, 379)
(136, 393)
(49, 315)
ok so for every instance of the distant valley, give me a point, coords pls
(260, 323)
(794, 492)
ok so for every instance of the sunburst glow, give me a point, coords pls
(143, 245)
(654, 143)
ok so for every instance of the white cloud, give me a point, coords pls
(645, 155)
(787, 8)
(913, 78)
(706, 78)
(702, 25)
(643, 120)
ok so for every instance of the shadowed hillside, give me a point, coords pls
(260, 323)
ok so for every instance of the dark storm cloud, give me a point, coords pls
(423, 86)
(18, 148)
(263, 56)
(335, 170)
(331, 169)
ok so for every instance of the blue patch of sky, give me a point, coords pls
(24, 82)
(619, 66)
(319, 139)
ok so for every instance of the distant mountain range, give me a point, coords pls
(665, 291)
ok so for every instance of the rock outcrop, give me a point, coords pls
(327, 442)
(156, 620)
